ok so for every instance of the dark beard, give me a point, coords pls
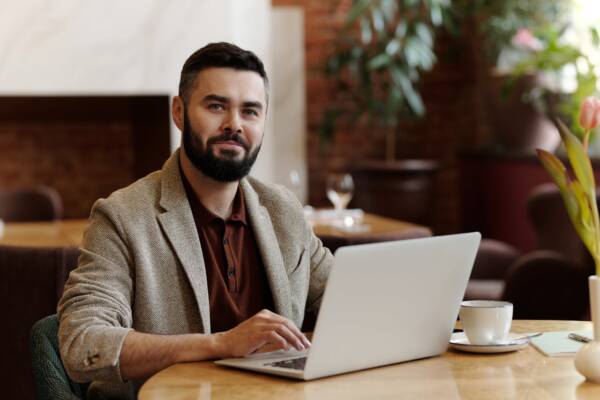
(219, 169)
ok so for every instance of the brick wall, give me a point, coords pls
(82, 161)
(454, 120)
(84, 147)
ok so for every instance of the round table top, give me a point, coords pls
(375, 226)
(454, 375)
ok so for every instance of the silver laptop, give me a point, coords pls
(384, 303)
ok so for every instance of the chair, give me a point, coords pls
(31, 283)
(552, 225)
(545, 284)
(491, 265)
(548, 283)
(49, 376)
(40, 203)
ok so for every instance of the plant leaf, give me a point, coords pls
(389, 8)
(436, 14)
(580, 162)
(378, 21)
(381, 60)
(401, 29)
(583, 218)
(412, 97)
(424, 33)
(359, 8)
(365, 31)
(392, 47)
(555, 168)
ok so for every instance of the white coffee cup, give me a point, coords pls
(486, 322)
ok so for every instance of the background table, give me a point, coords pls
(44, 234)
(523, 374)
(70, 232)
(380, 229)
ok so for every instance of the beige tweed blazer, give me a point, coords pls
(141, 267)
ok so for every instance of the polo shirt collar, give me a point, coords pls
(205, 216)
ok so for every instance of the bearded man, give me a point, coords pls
(196, 261)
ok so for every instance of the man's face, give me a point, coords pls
(224, 121)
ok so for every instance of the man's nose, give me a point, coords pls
(233, 122)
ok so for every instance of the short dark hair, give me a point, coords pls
(219, 55)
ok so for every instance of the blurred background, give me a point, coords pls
(434, 107)
(421, 116)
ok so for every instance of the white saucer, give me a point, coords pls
(459, 341)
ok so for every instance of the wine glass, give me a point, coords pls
(340, 188)
(293, 182)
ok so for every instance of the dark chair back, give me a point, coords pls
(31, 283)
(545, 284)
(490, 267)
(40, 203)
(553, 228)
(49, 376)
(493, 260)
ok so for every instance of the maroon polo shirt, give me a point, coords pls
(237, 283)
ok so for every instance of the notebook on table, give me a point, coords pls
(558, 344)
(384, 303)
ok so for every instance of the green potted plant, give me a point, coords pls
(567, 74)
(538, 73)
(499, 21)
(379, 58)
(382, 52)
(579, 194)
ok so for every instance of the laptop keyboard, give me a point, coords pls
(294, 363)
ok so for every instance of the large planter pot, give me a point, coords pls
(401, 189)
(516, 126)
(587, 360)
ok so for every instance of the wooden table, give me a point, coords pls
(378, 227)
(70, 232)
(44, 234)
(525, 374)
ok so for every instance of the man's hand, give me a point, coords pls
(263, 329)
(144, 354)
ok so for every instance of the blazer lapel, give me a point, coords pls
(178, 224)
(267, 243)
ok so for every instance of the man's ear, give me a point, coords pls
(177, 108)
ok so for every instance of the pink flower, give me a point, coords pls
(525, 39)
(589, 115)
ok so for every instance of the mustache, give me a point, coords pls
(226, 137)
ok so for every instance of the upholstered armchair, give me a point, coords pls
(548, 283)
(49, 375)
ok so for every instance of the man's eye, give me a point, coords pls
(216, 107)
(251, 111)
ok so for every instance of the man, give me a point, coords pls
(195, 261)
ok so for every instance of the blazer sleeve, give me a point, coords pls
(321, 261)
(95, 309)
